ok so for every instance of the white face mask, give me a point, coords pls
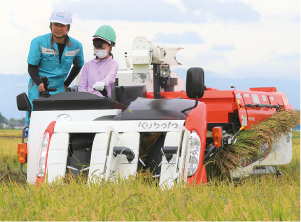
(100, 53)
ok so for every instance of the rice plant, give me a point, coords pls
(264, 198)
(249, 142)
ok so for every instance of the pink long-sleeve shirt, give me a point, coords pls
(95, 71)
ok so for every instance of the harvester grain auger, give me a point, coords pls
(78, 132)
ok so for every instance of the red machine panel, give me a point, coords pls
(252, 106)
(256, 113)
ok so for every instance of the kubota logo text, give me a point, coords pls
(157, 125)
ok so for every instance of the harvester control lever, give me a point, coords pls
(130, 155)
(104, 92)
(233, 139)
(169, 151)
(46, 94)
(209, 152)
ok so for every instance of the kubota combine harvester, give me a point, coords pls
(78, 132)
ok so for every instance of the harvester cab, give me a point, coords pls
(149, 124)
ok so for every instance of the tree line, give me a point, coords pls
(12, 122)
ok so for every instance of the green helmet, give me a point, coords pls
(107, 33)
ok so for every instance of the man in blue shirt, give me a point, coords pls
(52, 55)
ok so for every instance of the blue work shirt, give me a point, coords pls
(44, 53)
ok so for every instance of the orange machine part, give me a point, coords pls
(217, 136)
(220, 105)
(196, 120)
(264, 89)
(22, 152)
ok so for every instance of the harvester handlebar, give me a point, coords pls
(104, 92)
(46, 94)
(130, 155)
(262, 105)
(170, 149)
(168, 152)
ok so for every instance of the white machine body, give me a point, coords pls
(108, 134)
(39, 122)
(280, 153)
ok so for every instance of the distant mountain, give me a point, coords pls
(12, 85)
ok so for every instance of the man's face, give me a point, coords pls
(59, 30)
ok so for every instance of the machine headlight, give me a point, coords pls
(165, 71)
(195, 148)
(45, 144)
(43, 154)
(42, 161)
(41, 171)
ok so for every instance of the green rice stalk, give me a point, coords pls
(250, 141)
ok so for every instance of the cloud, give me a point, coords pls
(276, 66)
(189, 37)
(230, 47)
(130, 10)
(296, 18)
(13, 21)
(272, 69)
(235, 11)
(293, 57)
(208, 57)
(163, 11)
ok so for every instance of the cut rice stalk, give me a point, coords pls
(250, 141)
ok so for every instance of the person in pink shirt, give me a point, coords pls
(102, 70)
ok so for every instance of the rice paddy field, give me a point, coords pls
(263, 198)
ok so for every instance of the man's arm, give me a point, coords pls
(33, 60)
(73, 73)
(33, 71)
(78, 63)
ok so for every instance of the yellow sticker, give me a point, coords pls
(238, 101)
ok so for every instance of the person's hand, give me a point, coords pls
(99, 86)
(65, 88)
(41, 87)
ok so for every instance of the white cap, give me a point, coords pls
(61, 15)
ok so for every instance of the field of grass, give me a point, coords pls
(11, 133)
(254, 198)
(9, 140)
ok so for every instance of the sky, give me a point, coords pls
(238, 39)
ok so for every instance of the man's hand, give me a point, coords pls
(65, 88)
(99, 86)
(41, 87)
